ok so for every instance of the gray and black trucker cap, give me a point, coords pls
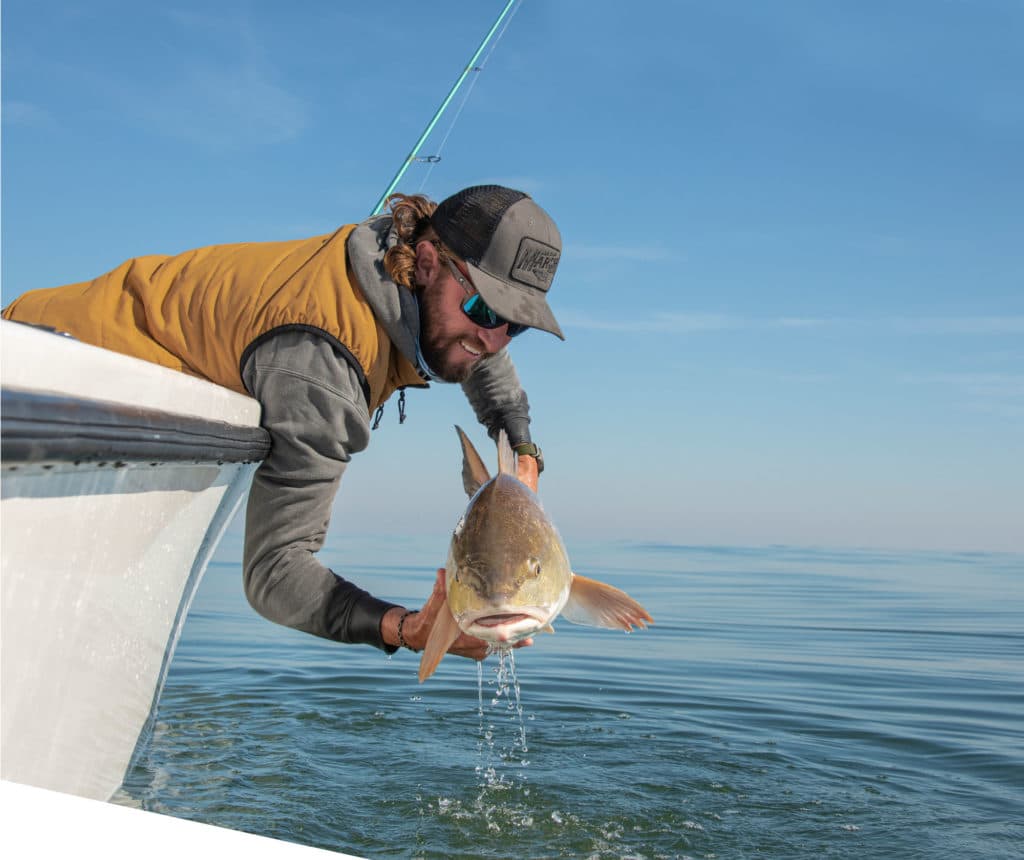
(511, 247)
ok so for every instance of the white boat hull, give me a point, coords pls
(110, 512)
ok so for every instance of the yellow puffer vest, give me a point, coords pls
(200, 311)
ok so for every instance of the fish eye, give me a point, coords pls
(533, 566)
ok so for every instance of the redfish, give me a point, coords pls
(508, 574)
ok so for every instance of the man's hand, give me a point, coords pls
(527, 471)
(416, 629)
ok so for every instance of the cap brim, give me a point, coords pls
(516, 303)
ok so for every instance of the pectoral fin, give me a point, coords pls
(444, 632)
(600, 605)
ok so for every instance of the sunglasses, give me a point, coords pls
(478, 311)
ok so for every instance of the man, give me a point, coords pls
(321, 332)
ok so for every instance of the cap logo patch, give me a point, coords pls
(535, 264)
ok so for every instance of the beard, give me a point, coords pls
(443, 369)
(439, 347)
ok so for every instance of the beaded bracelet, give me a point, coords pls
(401, 639)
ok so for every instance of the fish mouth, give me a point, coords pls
(503, 628)
(502, 618)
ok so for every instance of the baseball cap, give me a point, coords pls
(511, 247)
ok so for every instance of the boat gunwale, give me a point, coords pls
(39, 428)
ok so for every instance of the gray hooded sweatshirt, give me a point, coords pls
(317, 418)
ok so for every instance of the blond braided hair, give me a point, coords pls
(411, 214)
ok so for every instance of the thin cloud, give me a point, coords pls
(984, 325)
(660, 323)
(996, 394)
(222, 89)
(682, 323)
(686, 323)
(799, 322)
(999, 385)
(228, 105)
(627, 253)
(27, 115)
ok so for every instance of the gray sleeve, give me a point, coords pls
(316, 415)
(498, 399)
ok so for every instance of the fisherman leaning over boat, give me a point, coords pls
(322, 332)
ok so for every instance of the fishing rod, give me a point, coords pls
(471, 67)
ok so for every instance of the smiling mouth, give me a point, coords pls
(474, 352)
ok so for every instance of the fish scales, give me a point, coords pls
(508, 574)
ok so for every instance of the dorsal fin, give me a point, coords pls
(506, 456)
(474, 472)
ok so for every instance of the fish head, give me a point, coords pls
(508, 573)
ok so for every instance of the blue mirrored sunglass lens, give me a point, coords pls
(477, 310)
(481, 314)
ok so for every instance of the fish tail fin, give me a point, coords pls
(601, 605)
(444, 632)
(506, 456)
(474, 472)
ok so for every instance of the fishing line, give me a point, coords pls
(444, 105)
(436, 157)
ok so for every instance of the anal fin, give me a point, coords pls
(601, 605)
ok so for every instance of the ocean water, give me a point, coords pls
(787, 703)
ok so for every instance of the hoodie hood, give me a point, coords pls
(395, 307)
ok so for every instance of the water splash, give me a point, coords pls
(495, 756)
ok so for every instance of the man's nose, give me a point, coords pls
(494, 338)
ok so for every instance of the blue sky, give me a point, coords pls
(793, 264)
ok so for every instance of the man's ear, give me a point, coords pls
(428, 261)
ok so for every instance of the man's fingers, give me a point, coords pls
(436, 599)
(477, 649)
(527, 472)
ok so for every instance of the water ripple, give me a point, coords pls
(787, 703)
